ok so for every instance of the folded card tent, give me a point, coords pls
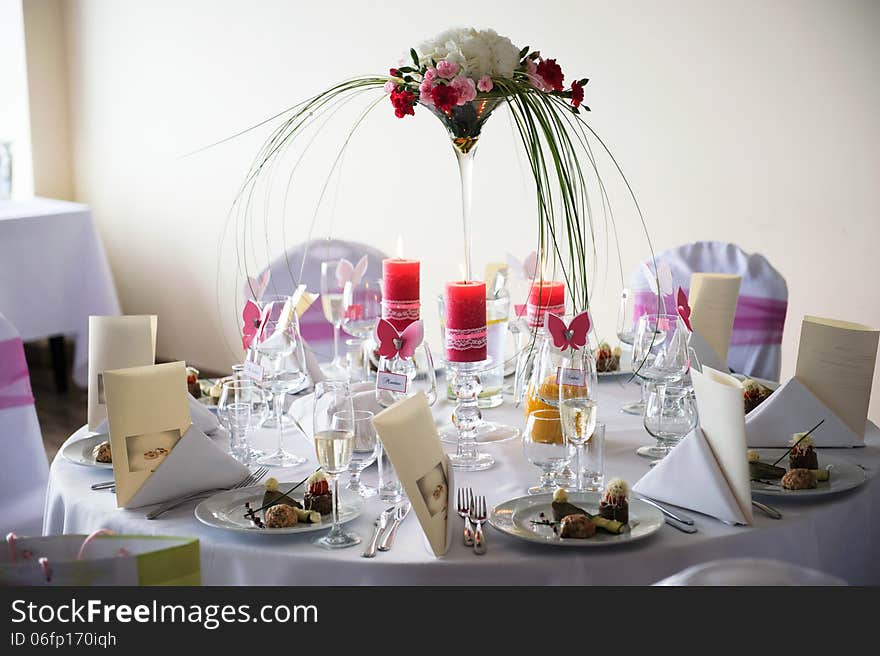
(24, 469)
(755, 345)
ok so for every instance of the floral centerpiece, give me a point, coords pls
(461, 76)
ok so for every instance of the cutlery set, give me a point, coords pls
(383, 533)
(472, 509)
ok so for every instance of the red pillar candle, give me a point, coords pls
(400, 293)
(544, 296)
(466, 321)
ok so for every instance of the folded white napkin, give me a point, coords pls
(202, 418)
(706, 356)
(194, 464)
(751, 572)
(690, 477)
(792, 409)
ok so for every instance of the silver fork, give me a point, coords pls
(478, 517)
(465, 500)
(249, 480)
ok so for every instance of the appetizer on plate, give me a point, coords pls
(280, 510)
(102, 452)
(803, 466)
(571, 522)
(607, 359)
(615, 501)
(192, 382)
(754, 394)
(319, 497)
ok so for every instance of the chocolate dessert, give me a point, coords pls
(614, 504)
(761, 470)
(803, 456)
(192, 382)
(319, 497)
(562, 508)
(281, 516)
(102, 452)
(273, 496)
(606, 359)
(754, 394)
(578, 527)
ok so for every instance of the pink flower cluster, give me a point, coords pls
(444, 88)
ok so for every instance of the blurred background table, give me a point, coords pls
(53, 274)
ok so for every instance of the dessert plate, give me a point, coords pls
(514, 517)
(844, 476)
(225, 510)
(80, 451)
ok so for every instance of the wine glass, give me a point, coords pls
(660, 353)
(361, 311)
(578, 408)
(668, 418)
(276, 341)
(240, 408)
(545, 446)
(334, 427)
(626, 333)
(364, 451)
(331, 303)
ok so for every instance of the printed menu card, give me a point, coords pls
(713, 298)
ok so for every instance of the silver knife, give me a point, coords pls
(381, 523)
(679, 517)
(684, 528)
(399, 515)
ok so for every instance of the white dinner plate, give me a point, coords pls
(80, 452)
(844, 476)
(514, 517)
(225, 510)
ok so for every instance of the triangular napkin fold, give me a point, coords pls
(706, 355)
(195, 463)
(690, 477)
(792, 409)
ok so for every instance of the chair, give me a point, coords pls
(748, 572)
(756, 341)
(24, 470)
(315, 329)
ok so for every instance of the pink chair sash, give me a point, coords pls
(15, 382)
(758, 321)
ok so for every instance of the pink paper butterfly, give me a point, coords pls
(347, 272)
(684, 309)
(527, 269)
(573, 335)
(393, 343)
(251, 320)
(257, 286)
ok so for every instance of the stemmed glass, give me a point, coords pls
(545, 446)
(331, 303)
(668, 419)
(364, 451)
(334, 426)
(626, 333)
(660, 353)
(578, 408)
(277, 341)
(241, 407)
(361, 311)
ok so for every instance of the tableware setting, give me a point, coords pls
(83, 452)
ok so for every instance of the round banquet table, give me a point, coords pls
(838, 535)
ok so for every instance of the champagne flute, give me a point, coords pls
(276, 341)
(331, 304)
(361, 311)
(578, 409)
(334, 426)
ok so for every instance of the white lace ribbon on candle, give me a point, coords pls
(465, 339)
(400, 310)
(535, 313)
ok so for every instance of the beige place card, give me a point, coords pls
(713, 298)
(116, 343)
(148, 413)
(836, 362)
(409, 436)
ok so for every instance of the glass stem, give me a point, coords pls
(335, 479)
(336, 343)
(661, 400)
(466, 171)
(279, 411)
(579, 472)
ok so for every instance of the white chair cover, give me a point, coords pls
(24, 469)
(748, 572)
(315, 329)
(756, 342)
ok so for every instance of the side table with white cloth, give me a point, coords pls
(839, 535)
(54, 273)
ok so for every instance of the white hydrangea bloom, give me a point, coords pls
(479, 53)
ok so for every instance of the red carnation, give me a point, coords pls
(394, 72)
(403, 102)
(444, 96)
(577, 93)
(551, 73)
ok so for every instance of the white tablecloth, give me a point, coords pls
(838, 535)
(53, 273)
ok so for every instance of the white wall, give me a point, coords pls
(14, 120)
(745, 121)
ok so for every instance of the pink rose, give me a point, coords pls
(447, 69)
(536, 80)
(466, 89)
(485, 84)
(430, 74)
(390, 86)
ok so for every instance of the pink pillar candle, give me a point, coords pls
(400, 293)
(466, 321)
(544, 296)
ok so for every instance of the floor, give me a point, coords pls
(59, 414)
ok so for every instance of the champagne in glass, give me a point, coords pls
(333, 448)
(331, 303)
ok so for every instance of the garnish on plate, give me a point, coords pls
(253, 514)
(563, 509)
